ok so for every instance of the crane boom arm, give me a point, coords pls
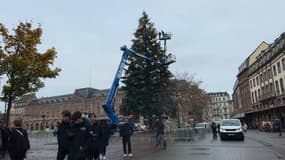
(109, 103)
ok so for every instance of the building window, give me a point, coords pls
(255, 94)
(254, 82)
(264, 76)
(274, 70)
(252, 97)
(277, 87)
(278, 67)
(283, 63)
(262, 90)
(269, 73)
(271, 87)
(257, 80)
(258, 94)
(250, 84)
(281, 85)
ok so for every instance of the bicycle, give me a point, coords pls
(162, 143)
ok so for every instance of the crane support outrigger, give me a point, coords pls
(109, 103)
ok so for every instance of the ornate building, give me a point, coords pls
(265, 80)
(220, 106)
(40, 113)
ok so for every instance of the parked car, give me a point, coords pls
(266, 126)
(201, 125)
(140, 127)
(231, 129)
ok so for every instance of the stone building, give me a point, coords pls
(265, 78)
(220, 106)
(40, 113)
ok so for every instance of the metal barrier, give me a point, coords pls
(177, 134)
(188, 134)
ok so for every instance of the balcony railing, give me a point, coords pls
(266, 96)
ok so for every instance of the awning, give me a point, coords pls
(239, 115)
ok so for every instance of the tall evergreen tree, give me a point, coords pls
(147, 85)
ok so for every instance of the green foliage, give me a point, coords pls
(21, 62)
(146, 84)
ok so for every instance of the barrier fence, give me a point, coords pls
(173, 135)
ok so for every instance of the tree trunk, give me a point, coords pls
(8, 112)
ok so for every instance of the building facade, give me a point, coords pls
(46, 112)
(266, 76)
(220, 106)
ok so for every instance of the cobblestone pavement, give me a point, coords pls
(257, 146)
(45, 148)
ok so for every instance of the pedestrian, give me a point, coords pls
(93, 142)
(126, 132)
(279, 126)
(79, 138)
(244, 127)
(18, 142)
(64, 134)
(4, 133)
(3, 141)
(218, 127)
(214, 130)
(105, 133)
(159, 126)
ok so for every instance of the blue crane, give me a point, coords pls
(109, 103)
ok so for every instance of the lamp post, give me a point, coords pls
(43, 126)
(163, 36)
(177, 96)
(178, 112)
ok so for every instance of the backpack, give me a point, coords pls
(18, 140)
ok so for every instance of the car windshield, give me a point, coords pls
(230, 123)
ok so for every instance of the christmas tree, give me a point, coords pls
(146, 84)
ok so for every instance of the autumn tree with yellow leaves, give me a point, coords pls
(22, 64)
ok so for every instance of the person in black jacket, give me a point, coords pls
(18, 142)
(126, 132)
(214, 130)
(3, 140)
(105, 133)
(80, 136)
(94, 141)
(63, 135)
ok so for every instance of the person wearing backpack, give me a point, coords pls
(126, 131)
(3, 141)
(18, 142)
(93, 150)
(80, 135)
(105, 133)
(63, 134)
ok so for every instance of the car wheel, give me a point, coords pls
(222, 138)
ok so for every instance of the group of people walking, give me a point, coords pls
(79, 138)
(82, 138)
(86, 139)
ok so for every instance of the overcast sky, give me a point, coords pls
(211, 38)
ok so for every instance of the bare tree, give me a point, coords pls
(193, 100)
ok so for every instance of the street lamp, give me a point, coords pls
(177, 96)
(178, 114)
(163, 36)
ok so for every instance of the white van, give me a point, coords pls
(231, 129)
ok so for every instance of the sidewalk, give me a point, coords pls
(268, 139)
